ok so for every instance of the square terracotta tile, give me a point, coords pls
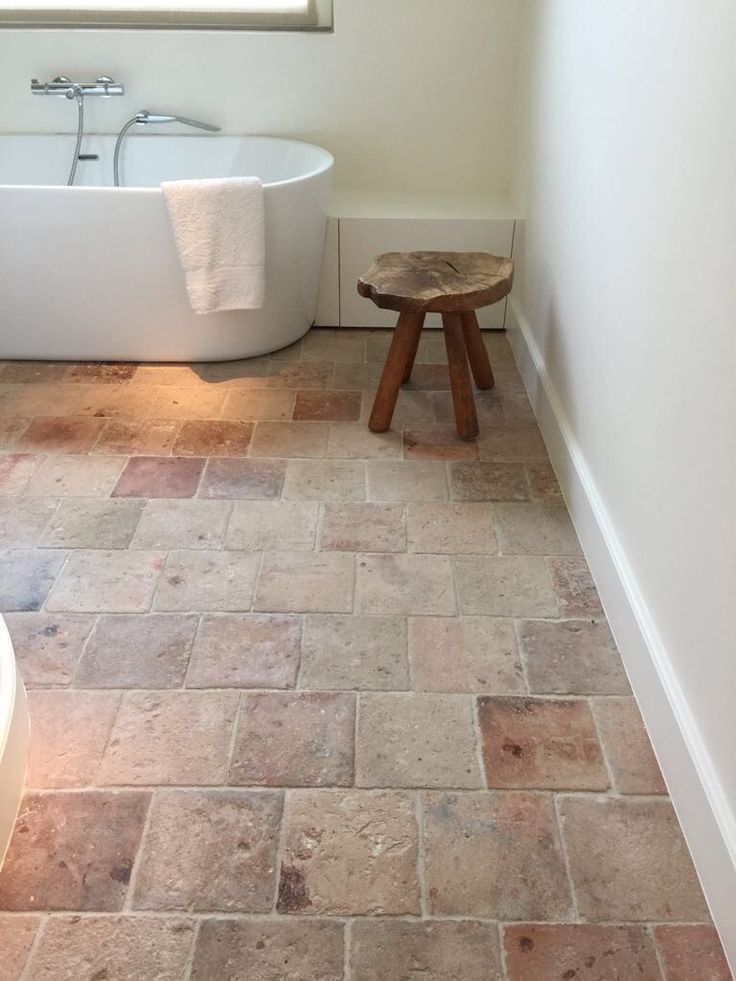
(30, 401)
(466, 654)
(150, 402)
(488, 482)
(321, 406)
(48, 646)
(412, 585)
(256, 525)
(171, 737)
(534, 529)
(32, 372)
(137, 437)
(73, 850)
(253, 480)
(349, 853)
(689, 952)
(353, 652)
(26, 577)
(517, 409)
(437, 442)
(106, 582)
(429, 377)
(166, 524)
(87, 523)
(159, 476)
(17, 934)
(300, 582)
(200, 437)
(150, 651)
(613, 843)
(410, 480)
(363, 528)
(258, 406)
(207, 581)
(488, 408)
(359, 376)
(23, 520)
(266, 752)
(537, 743)
(245, 651)
(508, 586)
(210, 850)
(315, 374)
(495, 855)
(322, 344)
(354, 441)
(60, 435)
(260, 950)
(575, 588)
(127, 948)
(289, 439)
(507, 444)
(325, 480)
(396, 950)
(76, 476)
(69, 731)
(451, 528)
(416, 740)
(539, 952)
(574, 657)
(16, 470)
(628, 749)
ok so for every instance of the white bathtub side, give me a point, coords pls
(93, 274)
(14, 731)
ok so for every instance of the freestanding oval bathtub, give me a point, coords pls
(91, 272)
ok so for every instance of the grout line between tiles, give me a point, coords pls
(26, 974)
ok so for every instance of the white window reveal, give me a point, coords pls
(270, 15)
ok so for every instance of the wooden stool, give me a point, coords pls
(455, 284)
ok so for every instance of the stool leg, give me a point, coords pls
(466, 418)
(477, 354)
(412, 354)
(404, 343)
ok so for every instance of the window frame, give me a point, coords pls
(318, 17)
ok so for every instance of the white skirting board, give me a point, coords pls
(707, 821)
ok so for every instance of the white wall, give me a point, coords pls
(410, 95)
(627, 300)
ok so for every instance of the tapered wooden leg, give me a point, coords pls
(466, 418)
(412, 354)
(403, 346)
(477, 355)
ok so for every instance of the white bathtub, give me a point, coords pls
(13, 739)
(91, 272)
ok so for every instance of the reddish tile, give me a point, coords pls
(294, 739)
(68, 434)
(137, 437)
(17, 934)
(630, 754)
(488, 482)
(97, 372)
(327, 406)
(73, 850)
(690, 952)
(251, 480)
(575, 588)
(573, 657)
(495, 855)
(48, 646)
(437, 442)
(213, 438)
(429, 377)
(581, 952)
(159, 476)
(10, 429)
(530, 742)
(245, 651)
(543, 483)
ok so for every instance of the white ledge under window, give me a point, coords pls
(269, 15)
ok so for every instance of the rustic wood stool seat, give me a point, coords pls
(454, 284)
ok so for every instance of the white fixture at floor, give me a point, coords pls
(14, 729)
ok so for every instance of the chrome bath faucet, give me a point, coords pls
(64, 88)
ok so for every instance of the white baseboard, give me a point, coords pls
(708, 822)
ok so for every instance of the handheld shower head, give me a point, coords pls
(145, 117)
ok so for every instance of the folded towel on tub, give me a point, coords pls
(219, 229)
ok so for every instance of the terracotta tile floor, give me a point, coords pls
(312, 703)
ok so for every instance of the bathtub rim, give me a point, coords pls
(325, 165)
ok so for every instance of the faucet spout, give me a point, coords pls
(146, 117)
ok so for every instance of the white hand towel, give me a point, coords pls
(219, 228)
